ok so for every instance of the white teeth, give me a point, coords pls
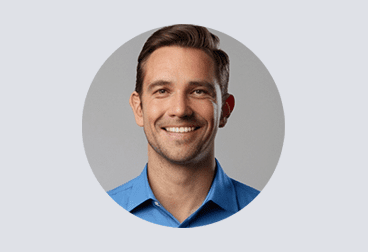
(180, 129)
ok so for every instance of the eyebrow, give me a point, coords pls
(159, 83)
(162, 83)
(210, 86)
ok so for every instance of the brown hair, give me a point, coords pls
(191, 36)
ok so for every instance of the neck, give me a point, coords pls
(180, 188)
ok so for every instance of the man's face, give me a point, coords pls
(181, 104)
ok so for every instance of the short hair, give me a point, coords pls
(187, 36)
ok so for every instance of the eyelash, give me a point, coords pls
(200, 90)
(163, 91)
(159, 91)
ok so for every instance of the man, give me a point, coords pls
(180, 100)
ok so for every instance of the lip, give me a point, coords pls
(181, 136)
(181, 126)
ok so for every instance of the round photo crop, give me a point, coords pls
(183, 126)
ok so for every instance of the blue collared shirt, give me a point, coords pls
(225, 197)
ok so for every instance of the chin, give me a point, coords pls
(181, 156)
(180, 159)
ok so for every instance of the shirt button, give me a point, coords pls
(157, 204)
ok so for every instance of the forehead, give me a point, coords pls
(178, 64)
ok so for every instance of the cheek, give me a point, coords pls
(152, 112)
(208, 110)
(216, 112)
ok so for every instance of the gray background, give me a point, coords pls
(317, 54)
(248, 147)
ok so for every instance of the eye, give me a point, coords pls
(199, 91)
(161, 91)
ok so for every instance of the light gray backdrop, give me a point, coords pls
(317, 54)
(248, 147)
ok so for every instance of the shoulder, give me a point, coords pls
(244, 193)
(122, 188)
(122, 193)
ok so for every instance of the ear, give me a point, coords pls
(227, 108)
(136, 105)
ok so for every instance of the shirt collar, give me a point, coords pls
(141, 191)
(222, 191)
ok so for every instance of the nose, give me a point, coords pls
(180, 105)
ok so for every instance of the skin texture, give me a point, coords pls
(180, 90)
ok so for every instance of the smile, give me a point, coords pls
(180, 129)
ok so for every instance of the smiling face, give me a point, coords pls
(181, 104)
